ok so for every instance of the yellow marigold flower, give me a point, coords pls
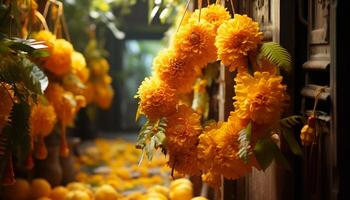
(104, 95)
(54, 93)
(214, 14)
(235, 38)
(226, 160)
(63, 101)
(260, 97)
(156, 99)
(79, 66)
(89, 92)
(6, 104)
(99, 67)
(106, 79)
(183, 128)
(221, 145)
(207, 145)
(196, 40)
(173, 68)
(182, 134)
(71, 82)
(42, 119)
(47, 37)
(68, 108)
(59, 62)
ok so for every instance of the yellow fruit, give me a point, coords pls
(199, 198)
(77, 195)
(160, 189)
(180, 181)
(40, 188)
(181, 192)
(19, 191)
(76, 186)
(155, 196)
(106, 192)
(59, 193)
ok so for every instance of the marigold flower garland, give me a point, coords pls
(224, 148)
(67, 72)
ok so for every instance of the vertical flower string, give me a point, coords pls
(65, 94)
(309, 133)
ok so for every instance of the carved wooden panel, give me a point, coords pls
(318, 164)
(266, 12)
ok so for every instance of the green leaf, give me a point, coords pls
(143, 135)
(21, 70)
(276, 54)
(40, 53)
(244, 142)
(280, 159)
(5, 147)
(19, 129)
(152, 136)
(292, 143)
(160, 139)
(21, 46)
(149, 148)
(292, 121)
(265, 151)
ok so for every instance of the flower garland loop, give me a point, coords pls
(229, 148)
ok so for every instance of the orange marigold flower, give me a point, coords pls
(235, 38)
(173, 68)
(47, 37)
(104, 95)
(214, 14)
(42, 119)
(59, 62)
(184, 161)
(79, 66)
(183, 128)
(6, 104)
(260, 97)
(156, 99)
(196, 40)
